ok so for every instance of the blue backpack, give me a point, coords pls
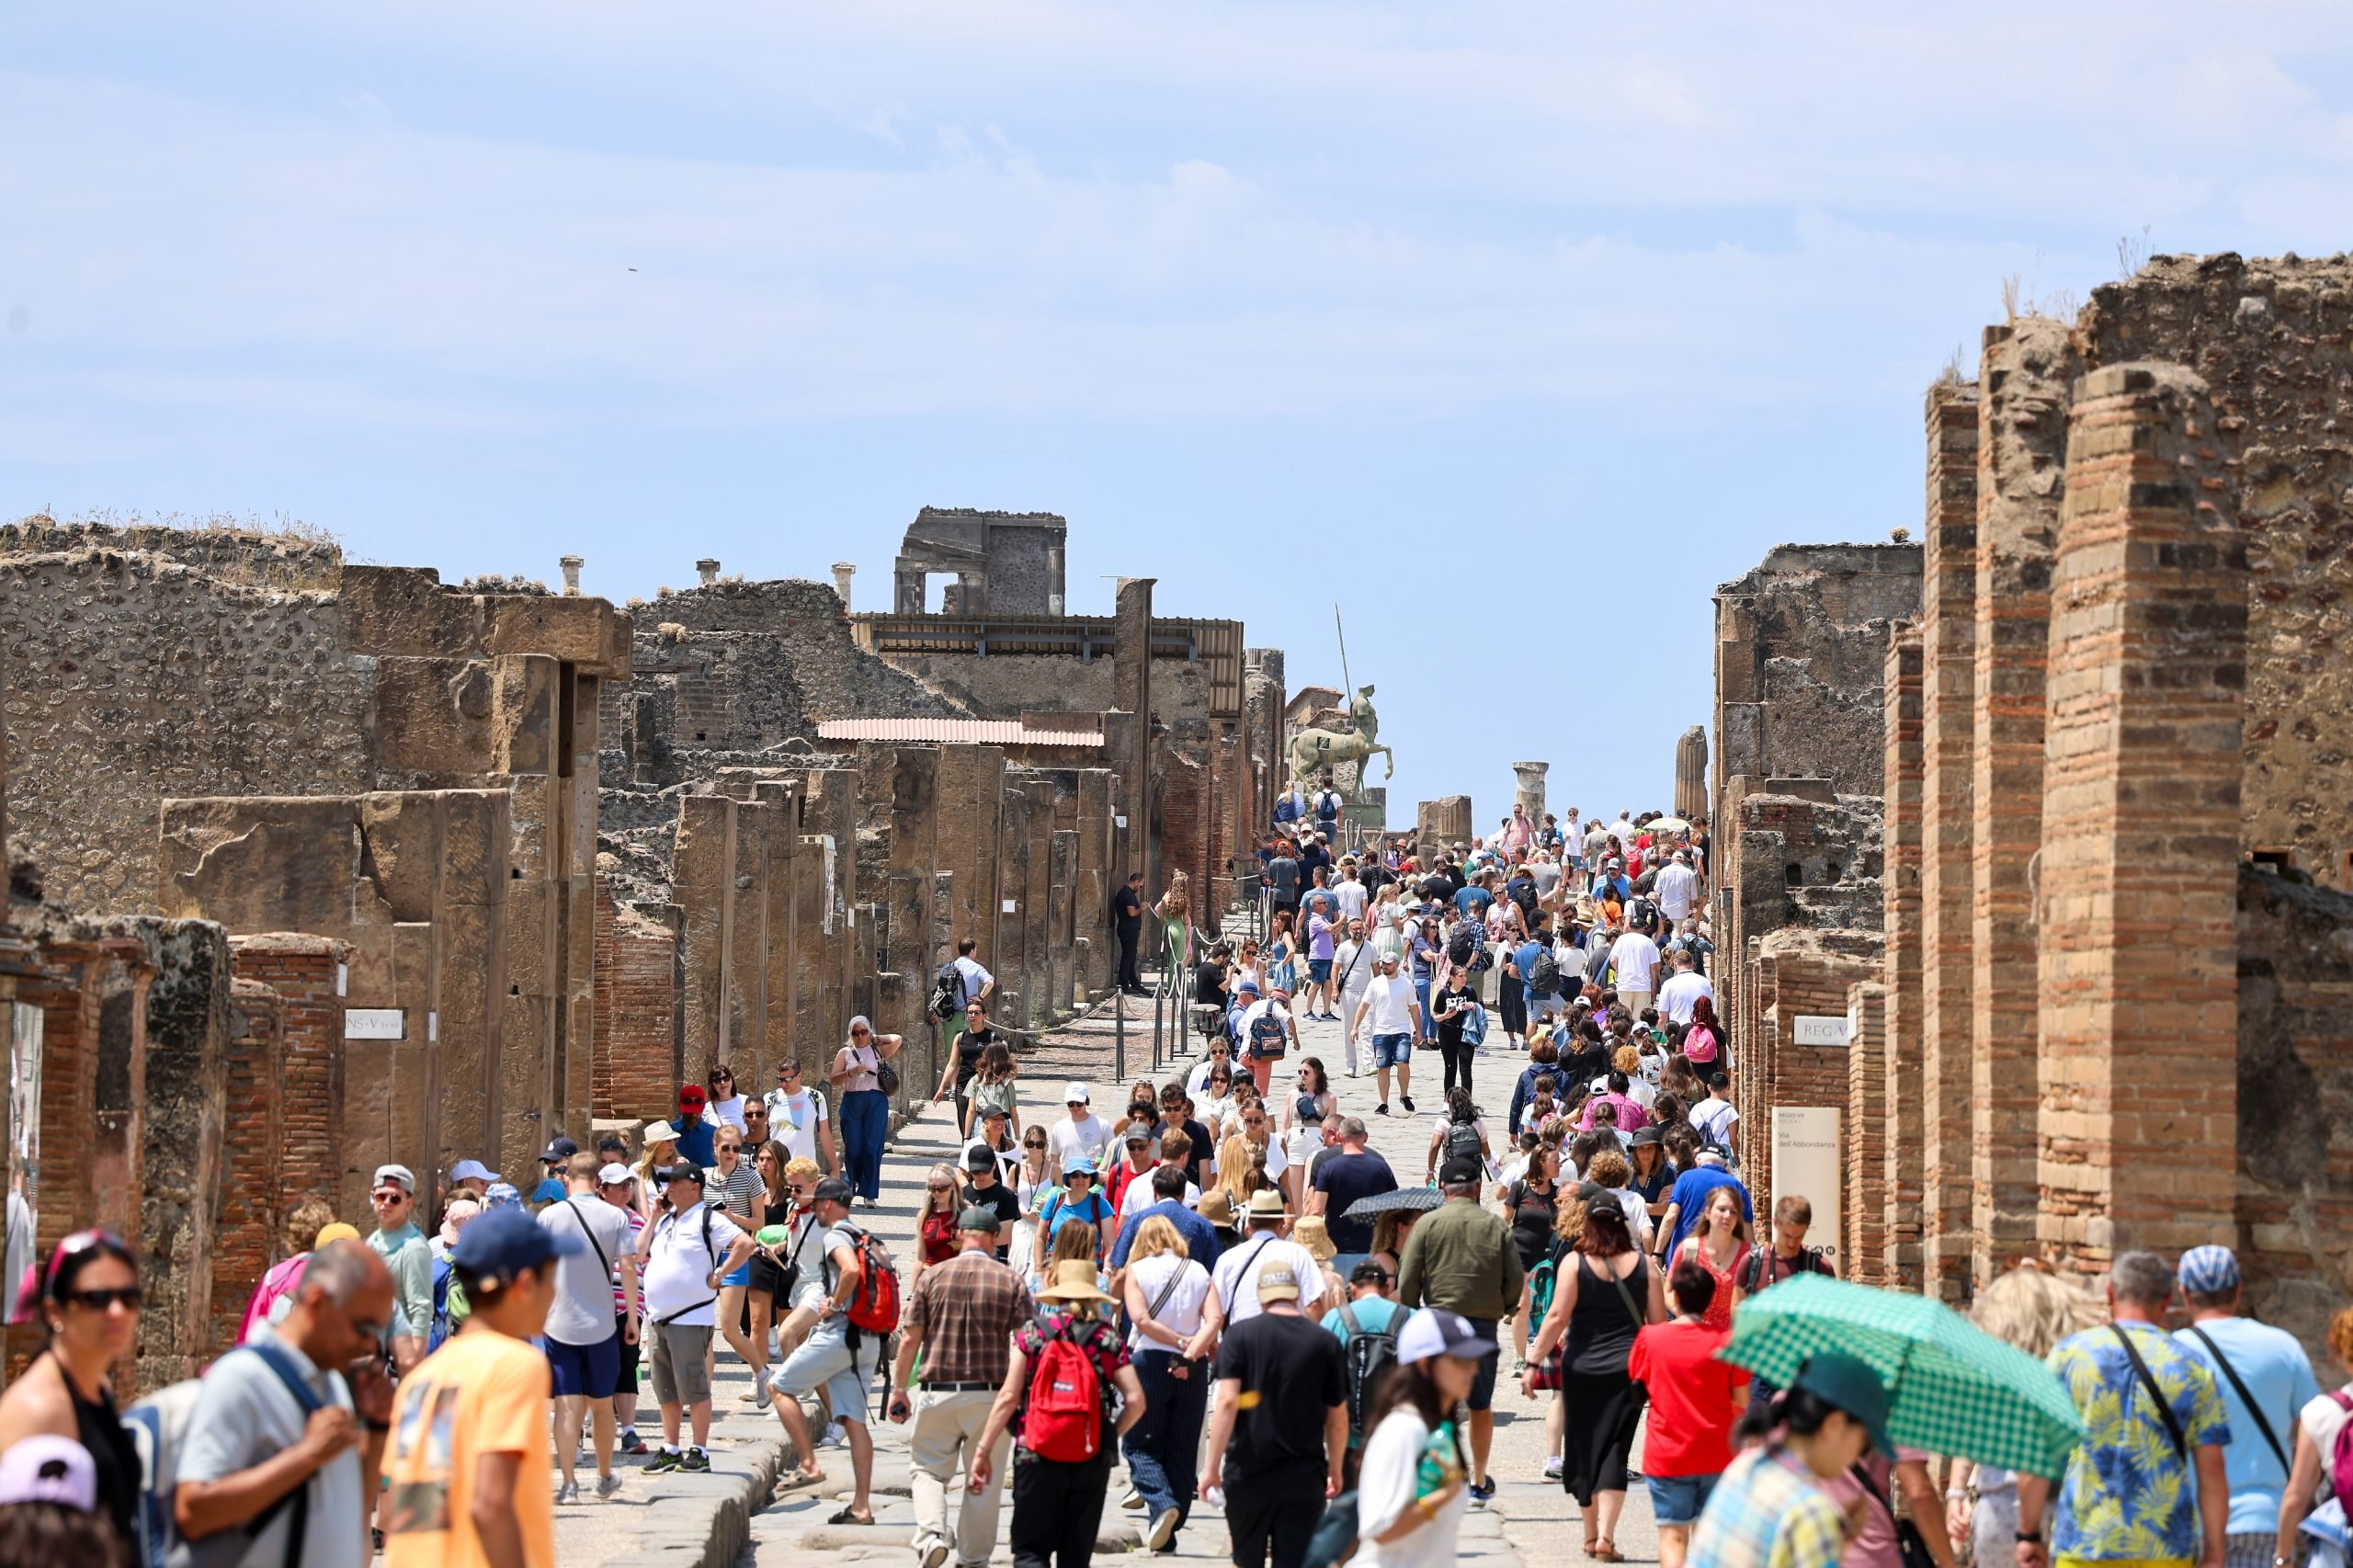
(158, 1425)
(440, 1329)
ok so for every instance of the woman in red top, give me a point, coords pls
(936, 1220)
(1719, 1244)
(1695, 1400)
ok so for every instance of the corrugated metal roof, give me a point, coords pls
(989, 731)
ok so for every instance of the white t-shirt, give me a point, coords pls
(1238, 1271)
(1351, 898)
(1623, 832)
(2323, 1418)
(793, 1119)
(1635, 958)
(1713, 1117)
(1067, 1140)
(1188, 1284)
(1390, 1001)
(1354, 973)
(582, 1312)
(729, 1111)
(1140, 1196)
(1386, 1484)
(1677, 887)
(677, 1264)
(1677, 996)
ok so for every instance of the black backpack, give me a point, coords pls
(948, 992)
(1462, 945)
(1369, 1353)
(1544, 975)
(1463, 1139)
(1641, 914)
(1809, 1261)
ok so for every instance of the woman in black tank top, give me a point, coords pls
(89, 1299)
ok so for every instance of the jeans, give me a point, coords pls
(1164, 1448)
(1422, 993)
(866, 1122)
(1129, 935)
(1458, 1058)
(1057, 1508)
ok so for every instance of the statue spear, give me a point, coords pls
(1348, 687)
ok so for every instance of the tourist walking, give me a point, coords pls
(736, 1191)
(2263, 1377)
(960, 1317)
(1127, 924)
(1459, 1257)
(1600, 1301)
(1346, 1178)
(2320, 1427)
(583, 1344)
(857, 1077)
(797, 1118)
(1720, 1244)
(1174, 1316)
(838, 1357)
(682, 1257)
(1060, 1374)
(399, 1241)
(1769, 1507)
(1412, 1485)
(1694, 1399)
(1281, 1418)
(1390, 1017)
(283, 1417)
(1264, 1247)
(467, 1468)
(2149, 1481)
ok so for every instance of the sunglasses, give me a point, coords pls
(937, 1186)
(98, 1300)
(389, 1196)
(1033, 1143)
(723, 1077)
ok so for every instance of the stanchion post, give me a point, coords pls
(1159, 997)
(1120, 1036)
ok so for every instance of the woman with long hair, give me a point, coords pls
(1176, 912)
(1174, 1315)
(736, 1191)
(770, 1164)
(995, 1087)
(1532, 1206)
(1703, 1042)
(936, 1218)
(1451, 1006)
(1303, 1113)
(1462, 1125)
(88, 1298)
(1389, 1232)
(1650, 1179)
(1719, 1244)
(1282, 954)
(1412, 1486)
(1234, 1171)
(653, 1162)
(2034, 1310)
(1600, 1303)
(865, 1111)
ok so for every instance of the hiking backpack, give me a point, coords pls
(1463, 1139)
(1064, 1421)
(1266, 1037)
(1368, 1353)
(1544, 975)
(1462, 944)
(948, 992)
(158, 1426)
(1542, 1279)
(440, 1331)
(874, 1305)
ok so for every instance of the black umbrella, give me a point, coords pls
(1411, 1199)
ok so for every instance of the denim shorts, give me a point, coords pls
(1319, 970)
(1391, 1050)
(1677, 1499)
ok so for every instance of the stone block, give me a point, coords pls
(406, 611)
(581, 630)
(524, 717)
(432, 719)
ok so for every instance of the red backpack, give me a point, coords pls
(874, 1305)
(2340, 1460)
(1065, 1416)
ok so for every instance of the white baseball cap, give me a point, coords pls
(401, 1176)
(1436, 1332)
(471, 1170)
(614, 1174)
(1077, 1092)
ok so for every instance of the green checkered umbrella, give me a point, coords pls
(1956, 1390)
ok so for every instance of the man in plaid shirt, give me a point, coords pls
(960, 1318)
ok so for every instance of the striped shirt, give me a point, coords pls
(734, 1191)
(1767, 1513)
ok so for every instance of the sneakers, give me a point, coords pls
(608, 1484)
(669, 1459)
(1482, 1493)
(567, 1493)
(1135, 1499)
(1162, 1529)
(1380, 1109)
(699, 1462)
(834, 1436)
(1407, 1101)
(761, 1398)
(631, 1443)
(934, 1554)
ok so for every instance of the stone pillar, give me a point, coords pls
(707, 569)
(703, 872)
(972, 790)
(1530, 794)
(1866, 1258)
(1442, 823)
(843, 571)
(1691, 774)
(1092, 906)
(1132, 683)
(570, 566)
(1948, 634)
(2028, 371)
(1897, 1055)
(2135, 888)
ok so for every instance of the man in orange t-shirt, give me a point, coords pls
(468, 1461)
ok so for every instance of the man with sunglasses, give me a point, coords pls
(252, 1443)
(401, 1245)
(797, 1118)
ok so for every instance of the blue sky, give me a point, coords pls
(1512, 328)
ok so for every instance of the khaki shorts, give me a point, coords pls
(681, 1363)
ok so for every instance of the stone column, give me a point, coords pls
(2027, 373)
(1866, 1257)
(570, 566)
(1948, 635)
(1897, 1054)
(2136, 887)
(707, 569)
(1132, 681)
(1691, 774)
(1531, 795)
(843, 571)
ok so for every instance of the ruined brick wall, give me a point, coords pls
(308, 976)
(2273, 340)
(138, 676)
(182, 1122)
(2295, 1102)
(1868, 1255)
(638, 1067)
(245, 1226)
(1795, 973)
(1004, 685)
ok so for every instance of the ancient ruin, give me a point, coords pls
(2029, 832)
(317, 866)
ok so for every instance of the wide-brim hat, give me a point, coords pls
(1073, 1281)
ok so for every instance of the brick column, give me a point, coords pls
(636, 1001)
(2136, 887)
(1948, 635)
(2025, 372)
(1866, 1255)
(246, 1224)
(308, 975)
(1896, 1052)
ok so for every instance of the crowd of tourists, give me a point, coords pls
(1215, 1279)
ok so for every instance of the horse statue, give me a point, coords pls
(1318, 749)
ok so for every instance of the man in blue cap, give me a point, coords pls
(2265, 1378)
(468, 1460)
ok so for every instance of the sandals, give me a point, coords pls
(1608, 1552)
(794, 1480)
(850, 1515)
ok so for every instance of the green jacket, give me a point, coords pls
(1460, 1257)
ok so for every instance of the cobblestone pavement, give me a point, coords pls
(726, 1517)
